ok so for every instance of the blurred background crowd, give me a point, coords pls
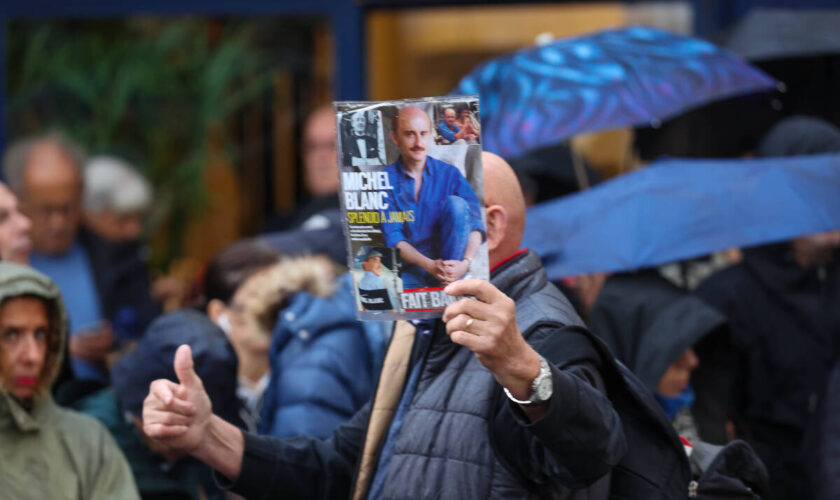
(172, 169)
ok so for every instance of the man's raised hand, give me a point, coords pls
(177, 415)
(487, 326)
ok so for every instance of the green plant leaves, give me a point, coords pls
(147, 89)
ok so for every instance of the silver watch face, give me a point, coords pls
(543, 386)
(544, 389)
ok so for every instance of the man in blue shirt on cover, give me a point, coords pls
(440, 230)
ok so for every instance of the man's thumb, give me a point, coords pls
(184, 366)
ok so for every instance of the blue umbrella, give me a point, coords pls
(541, 95)
(679, 209)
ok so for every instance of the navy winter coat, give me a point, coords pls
(324, 364)
(785, 325)
(824, 442)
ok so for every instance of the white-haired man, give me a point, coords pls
(116, 199)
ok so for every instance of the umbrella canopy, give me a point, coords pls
(800, 48)
(678, 209)
(785, 33)
(541, 95)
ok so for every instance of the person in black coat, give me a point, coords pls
(658, 331)
(782, 305)
(824, 442)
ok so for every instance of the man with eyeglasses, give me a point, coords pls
(105, 285)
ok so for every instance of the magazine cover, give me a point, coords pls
(412, 194)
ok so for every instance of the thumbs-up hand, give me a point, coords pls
(177, 415)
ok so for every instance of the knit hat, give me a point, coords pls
(214, 360)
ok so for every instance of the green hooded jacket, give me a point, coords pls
(50, 452)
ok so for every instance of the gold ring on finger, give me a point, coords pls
(469, 322)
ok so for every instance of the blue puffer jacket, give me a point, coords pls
(324, 364)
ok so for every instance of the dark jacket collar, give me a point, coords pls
(519, 276)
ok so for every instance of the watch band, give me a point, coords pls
(518, 401)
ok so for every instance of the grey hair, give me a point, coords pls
(17, 156)
(113, 184)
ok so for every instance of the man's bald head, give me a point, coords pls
(449, 116)
(505, 208)
(46, 173)
(409, 113)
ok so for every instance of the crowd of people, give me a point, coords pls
(267, 386)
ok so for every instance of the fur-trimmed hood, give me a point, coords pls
(264, 294)
(17, 280)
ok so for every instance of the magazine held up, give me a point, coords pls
(412, 196)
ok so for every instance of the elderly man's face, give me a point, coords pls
(359, 122)
(319, 154)
(24, 327)
(449, 116)
(115, 227)
(14, 229)
(412, 134)
(52, 199)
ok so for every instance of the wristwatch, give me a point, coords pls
(541, 388)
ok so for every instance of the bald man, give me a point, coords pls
(320, 178)
(320, 169)
(482, 404)
(442, 238)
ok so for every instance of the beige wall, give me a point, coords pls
(423, 52)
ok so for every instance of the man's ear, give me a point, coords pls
(393, 137)
(497, 221)
(214, 309)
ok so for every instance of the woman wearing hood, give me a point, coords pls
(47, 451)
(654, 328)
